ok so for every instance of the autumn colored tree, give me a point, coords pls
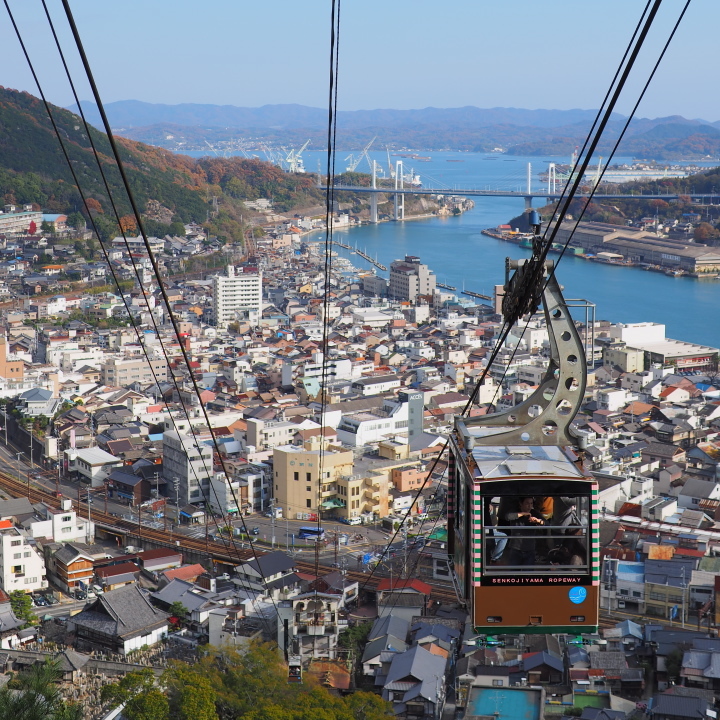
(32, 229)
(705, 232)
(128, 224)
(93, 206)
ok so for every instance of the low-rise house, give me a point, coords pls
(313, 624)
(91, 465)
(36, 402)
(270, 574)
(414, 683)
(403, 598)
(71, 567)
(119, 621)
(116, 576)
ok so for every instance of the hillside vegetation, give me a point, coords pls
(33, 170)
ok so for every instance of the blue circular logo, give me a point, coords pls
(577, 594)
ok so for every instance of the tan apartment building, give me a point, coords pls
(123, 372)
(297, 478)
(11, 367)
(351, 487)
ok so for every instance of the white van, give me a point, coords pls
(354, 521)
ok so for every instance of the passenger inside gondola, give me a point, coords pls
(547, 534)
(522, 542)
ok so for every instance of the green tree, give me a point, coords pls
(76, 220)
(177, 228)
(35, 695)
(178, 610)
(367, 706)
(22, 606)
(354, 638)
(143, 701)
(191, 696)
(92, 248)
(673, 663)
(46, 228)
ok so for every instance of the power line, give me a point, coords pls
(82, 195)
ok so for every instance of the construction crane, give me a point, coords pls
(271, 155)
(391, 169)
(294, 160)
(355, 161)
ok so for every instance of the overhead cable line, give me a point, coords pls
(529, 296)
(327, 266)
(84, 200)
(153, 261)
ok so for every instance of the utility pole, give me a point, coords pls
(272, 520)
(684, 588)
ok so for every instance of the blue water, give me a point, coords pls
(454, 248)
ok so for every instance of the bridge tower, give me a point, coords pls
(399, 198)
(552, 179)
(529, 197)
(373, 196)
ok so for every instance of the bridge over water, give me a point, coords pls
(527, 196)
(399, 190)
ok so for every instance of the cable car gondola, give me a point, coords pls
(294, 669)
(522, 515)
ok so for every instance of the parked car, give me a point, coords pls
(354, 521)
(50, 600)
(40, 602)
(255, 531)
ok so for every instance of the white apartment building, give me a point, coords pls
(224, 495)
(22, 566)
(18, 222)
(92, 465)
(137, 244)
(189, 465)
(364, 428)
(410, 278)
(237, 295)
(121, 372)
(335, 369)
(61, 525)
(265, 435)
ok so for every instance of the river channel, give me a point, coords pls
(455, 250)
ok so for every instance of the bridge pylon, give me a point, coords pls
(373, 196)
(399, 198)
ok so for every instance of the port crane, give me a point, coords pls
(294, 160)
(355, 161)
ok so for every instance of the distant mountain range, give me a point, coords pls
(133, 114)
(518, 131)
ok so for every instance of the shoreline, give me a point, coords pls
(669, 270)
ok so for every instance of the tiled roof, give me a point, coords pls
(123, 613)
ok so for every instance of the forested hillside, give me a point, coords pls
(33, 170)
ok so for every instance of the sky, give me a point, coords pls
(400, 54)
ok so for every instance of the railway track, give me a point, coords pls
(221, 552)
